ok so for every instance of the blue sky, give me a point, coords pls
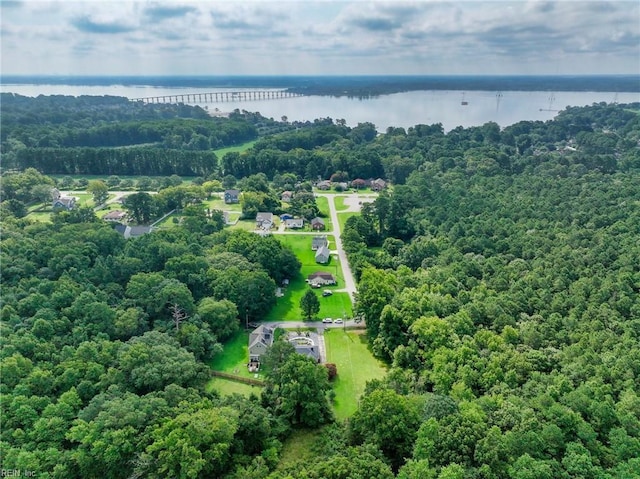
(319, 37)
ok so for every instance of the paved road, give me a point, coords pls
(319, 325)
(349, 282)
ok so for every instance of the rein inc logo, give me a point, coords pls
(17, 473)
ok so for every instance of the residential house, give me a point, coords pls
(318, 241)
(115, 215)
(317, 224)
(321, 278)
(286, 196)
(378, 185)
(358, 183)
(323, 185)
(306, 344)
(232, 196)
(294, 223)
(322, 255)
(264, 221)
(62, 202)
(132, 231)
(260, 340)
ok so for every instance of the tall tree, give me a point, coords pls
(99, 190)
(297, 391)
(309, 304)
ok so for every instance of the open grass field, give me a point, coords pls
(232, 149)
(356, 365)
(227, 387)
(217, 203)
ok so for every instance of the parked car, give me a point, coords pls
(327, 292)
(337, 321)
(327, 320)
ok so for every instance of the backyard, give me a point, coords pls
(356, 365)
(346, 349)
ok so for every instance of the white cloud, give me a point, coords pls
(315, 37)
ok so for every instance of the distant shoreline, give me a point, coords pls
(358, 86)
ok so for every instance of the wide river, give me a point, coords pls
(399, 109)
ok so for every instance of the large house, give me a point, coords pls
(317, 224)
(286, 196)
(323, 185)
(264, 221)
(306, 344)
(319, 241)
(232, 196)
(321, 278)
(132, 231)
(294, 223)
(62, 202)
(378, 185)
(115, 215)
(322, 255)
(260, 340)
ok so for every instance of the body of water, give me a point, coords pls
(399, 109)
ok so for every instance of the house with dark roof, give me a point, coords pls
(232, 196)
(322, 255)
(321, 278)
(306, 344)
(318, 241)
(317, 224)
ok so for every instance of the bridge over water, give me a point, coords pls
(220, 97)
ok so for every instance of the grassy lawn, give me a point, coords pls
(42, 216)
(298, 446)
(168, 222)
(288, 307)
(339, 201)
(343, 217)
(232, 149)
(227, 387)
(216, 203)
(356, 365)
(323, 206)
(234, 357)
(248, 225)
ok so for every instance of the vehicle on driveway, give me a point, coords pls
(327, 292)
(327, 320)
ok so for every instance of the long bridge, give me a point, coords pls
(219, 97)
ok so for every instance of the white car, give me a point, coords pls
(327, 320)
(337, 321)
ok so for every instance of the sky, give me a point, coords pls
(139, 37)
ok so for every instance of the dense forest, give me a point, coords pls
(499, 278)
